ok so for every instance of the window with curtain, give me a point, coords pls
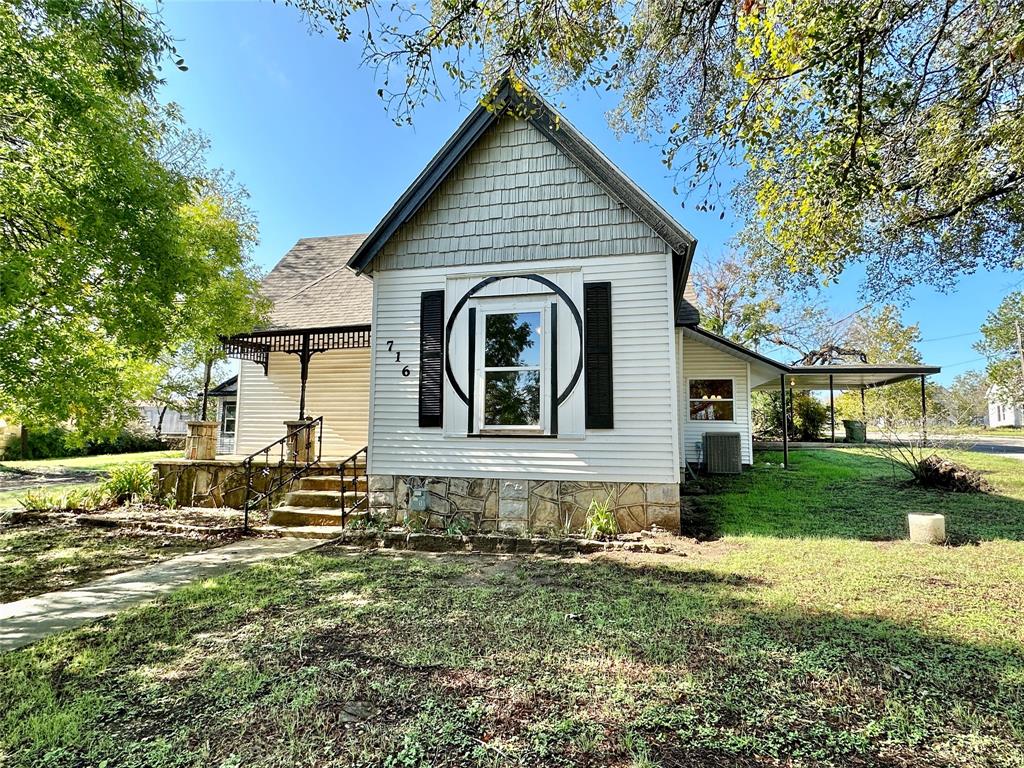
(711, 400)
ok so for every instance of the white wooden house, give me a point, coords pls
(1002, 412)
(531, 345)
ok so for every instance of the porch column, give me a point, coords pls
(785, 423)
(924, 415)
(832, 406)
(863, 407)
(304, 356)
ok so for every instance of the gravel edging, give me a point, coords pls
(496, 543)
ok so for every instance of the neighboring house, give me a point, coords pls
(535, 347)
(170, 424)
(1002, 413)
(225, 396)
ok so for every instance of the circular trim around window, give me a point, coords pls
(450, 375)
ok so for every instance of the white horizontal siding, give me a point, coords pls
(700, 361)
(338, 388)
(643, 446)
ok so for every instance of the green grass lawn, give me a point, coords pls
(789, 644)
(37, 558)
(854, 493)
(88, 463)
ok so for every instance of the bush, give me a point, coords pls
(809, 416)
(59, 443)
(129, 483)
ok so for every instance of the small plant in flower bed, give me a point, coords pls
(129, 483)
(73, 500)
(600, 522)
(126, 484)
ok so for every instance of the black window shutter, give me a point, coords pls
(597, 354)
(431, 358)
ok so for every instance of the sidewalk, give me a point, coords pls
(25, 621)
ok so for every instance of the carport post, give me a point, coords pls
(785, 424)
(832, 407)
(924, 415)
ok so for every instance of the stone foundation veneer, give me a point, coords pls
(492, 504)
(219, 483)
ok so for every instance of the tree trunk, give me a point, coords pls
(24, 442)
(207, 369)
(160, 422)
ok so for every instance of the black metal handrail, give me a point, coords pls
(353, 463)
(286, 455)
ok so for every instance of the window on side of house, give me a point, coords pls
(512, 373)
(711, 400)
(228, 417)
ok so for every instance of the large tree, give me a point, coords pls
(965, 401)
(1003, 344)
(101, 255)
(886, 132)
(735, 301)
(881, 337)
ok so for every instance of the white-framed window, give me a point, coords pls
(228, 417)
(511, 374)
(711, 400)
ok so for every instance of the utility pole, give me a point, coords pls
(1020, 347)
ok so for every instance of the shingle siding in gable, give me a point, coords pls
(516, 196)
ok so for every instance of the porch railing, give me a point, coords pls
(351, 473)
(279, 464)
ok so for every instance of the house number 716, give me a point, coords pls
(398, 357)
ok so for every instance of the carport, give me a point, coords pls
(859, 376)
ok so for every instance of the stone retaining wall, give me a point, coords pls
(523, 505)
(217, 483)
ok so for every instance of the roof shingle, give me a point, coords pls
(312, 287)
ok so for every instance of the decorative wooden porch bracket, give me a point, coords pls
(244, 349)
(257, 346)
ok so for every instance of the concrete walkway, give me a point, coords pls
(26, 621)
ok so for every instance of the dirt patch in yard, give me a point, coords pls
(48, 555)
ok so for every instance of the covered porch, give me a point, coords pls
(290, 377)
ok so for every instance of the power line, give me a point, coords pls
(947, 338)
(964, 362)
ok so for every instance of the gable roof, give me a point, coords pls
(227, 388)
(312, 287)
(561, 133)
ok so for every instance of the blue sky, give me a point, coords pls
(297, 118)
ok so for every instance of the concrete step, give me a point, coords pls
(300, 531)
(319, 499)
(292, 516)
(331, 483)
